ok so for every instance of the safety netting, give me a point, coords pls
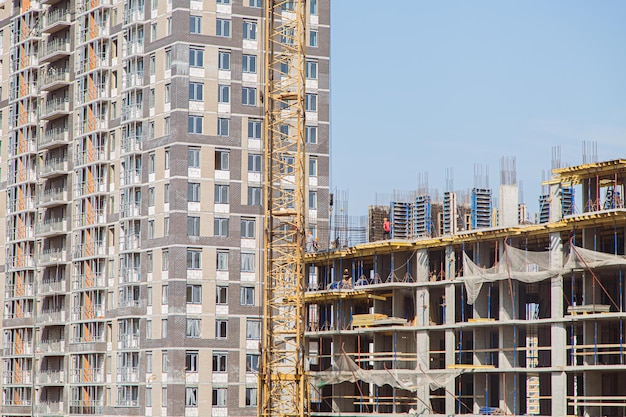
(345, 369)
(531, 266)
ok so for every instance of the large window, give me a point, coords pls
(311, 102)
(196, 91)
(254, 129)
(252, 362)
(247, 296)
(221, 295)
(191, 361)
(221, 194)
(221, 329)
(312, 166)
(248, 228)
(254, 162)
(254, 196)
(194, 327)
(194, 294)
(196, 57)
(220, 362)
(220, 227)
(253, 329)
(249, 30)
(222, 28)
(313, 200)
(195, 124)
(248, 63)
(193, 226)
(247, 262)
(195, 24)
(311, 134)
(223, 126)
(219, 397)
(193, 157)
(251, 397)
(191, 397)
(313, 38)
(223, 93)
(193, 192)
(311, 70)
(222, 160)
(248, 96)
(194, 258)
(255, 3)
(222, 261)
(223, 60)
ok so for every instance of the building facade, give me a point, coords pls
(522, 319)
(132, 140)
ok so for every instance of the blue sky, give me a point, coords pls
(422, 86)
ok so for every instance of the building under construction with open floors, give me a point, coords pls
(131, 172)
(514, 319)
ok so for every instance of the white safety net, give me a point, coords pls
(344, 369)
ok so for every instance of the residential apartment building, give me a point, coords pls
(131, 168)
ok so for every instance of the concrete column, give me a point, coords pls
(423, 360)
(558, 332)
(556, 207)
(422, 303)
(449, 318)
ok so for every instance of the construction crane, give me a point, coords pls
(283, 390)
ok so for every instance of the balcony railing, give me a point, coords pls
(52, 165)
(129, 275)
(86, 407)
(132, 112)
(56, 16)
(16, 349)
(51, 346)
(131, 144)
(130, 242)
(83, 281)
(21, 261)
(21, 290)
(89, 219)
(48, 376)
(95, 311)
(90, 156)
(130, 210)
(130, 177)
(54, 46)
(52, 256)
(48, 286)
(56, 408)
(58, 225)
(128, 342)
(17, 377)
(57, 135)
(51, 316)
(129, 374)
(95, 375)
(87, 250)
(133, 15)
(60, 104)
(133, 80)
(53, 194)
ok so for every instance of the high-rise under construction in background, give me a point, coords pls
(132, 174)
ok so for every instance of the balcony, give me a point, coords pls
(95, 311)
(51, 227)
(54, 137)
(93, 187)
(130, 210)
(53, 196)
(53, 167)
(22, 204)
(55, 108)
(23, 175)
(21, 233)
(133, 16)
(27, 118)
(51, 346)
(50, 409)
(51, 377)
(23, 90)
(55, 78)
(31, 60)
(89, 219)
(55, 49)
(94, 4)
(24, 146)
(55, 20)
(129, 275)
(132, 80)
(19, 290)
(93, 32)
(89, 250)
(90, 156)
(130, 341)
(21, 262)
(99, 61)
(52, 256)
(16, 349)
(96, 124)
(131, 144)
(87, 375)
(128, 374)
(132, 112)
(51, 317)
(86, 407)
(130, 177)
(52, 287)
(131, 242)
(83, 281)
(17, 377)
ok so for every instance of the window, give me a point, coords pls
(249, 30)
(312, 200)
(248, 96)
(287, 164)
(194, 294)
(251, 397)
(152, 64)
(254, 162)
(253, 329)
(223, 60)
(163, 329)
(168, 59)
(220, 361)
(223, 126)
(311, 70)
(221, 194)
(169, 25)
(195, 124)
(254, 196)
(150, 229)
(149, 362)
(164, 294)
(165, 260)
(149, 296)
(150, 262)
(151, 197)
(191, 397)
(153, 32)
(220, 227)
(193, 157)
(254, 129)
(247, 296)
(193, 192)
(219, 397)
(155, 4)
(166, 128)
(222, 160)
(149, 326)
(195, 91)
(193, 226)
(255, 3)
(167, 158)
(148, 397)
(222, 28)
(151, 130)
(311, 102)
(247, 262)
(151, 163)
(313, 38)
(166, 193)
(222, 261)
(195, 24)
(166, 226)
(252, 362)
(221, 329)
(248, 228)
(311, 134)
(168, 93)
(194, 258)
(223, 94)
(193, 328)
(221, 295)
(196, 57)
(248, 63)
(191, 361)
(312, 166)
(164, 397)
(223, 1)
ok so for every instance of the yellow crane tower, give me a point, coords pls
(283, 390)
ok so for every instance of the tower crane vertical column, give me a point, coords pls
(282, 382)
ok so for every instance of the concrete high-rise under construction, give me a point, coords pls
(131, 175)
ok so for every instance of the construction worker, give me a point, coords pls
(386, 229)
(310, 242)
